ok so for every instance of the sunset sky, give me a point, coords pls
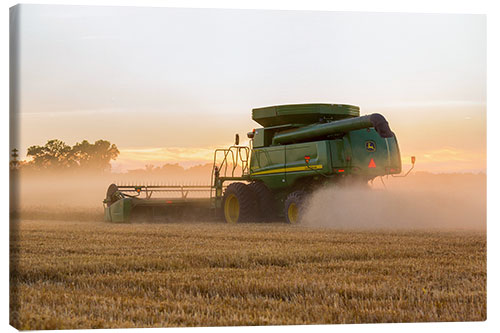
(170, 85)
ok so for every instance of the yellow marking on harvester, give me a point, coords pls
(301, 168)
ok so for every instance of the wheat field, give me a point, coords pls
(99, 275)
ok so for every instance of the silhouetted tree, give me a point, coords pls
(53, 155)
(95, 156)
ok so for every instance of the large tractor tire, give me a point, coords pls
(238, 203)
(266, 203)
(294, 207)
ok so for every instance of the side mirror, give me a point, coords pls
(236, 139)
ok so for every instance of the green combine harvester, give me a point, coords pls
(299, 148)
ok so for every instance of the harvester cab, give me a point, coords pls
(298, 149)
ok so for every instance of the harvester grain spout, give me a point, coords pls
(298, 149)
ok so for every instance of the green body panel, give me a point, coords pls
(338, 153)
(107, 214)
(280, 167)
(319, 161)
(119, 211)
(269, 165)
(302, 113)
(385, 153)
(259, 139)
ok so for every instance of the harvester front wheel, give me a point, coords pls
(239, 203)
(294, 207)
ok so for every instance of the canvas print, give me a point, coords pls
(175, 167)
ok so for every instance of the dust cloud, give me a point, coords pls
(421, 201)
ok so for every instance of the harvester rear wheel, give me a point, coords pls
(294, 207)
(266, 204)
(239, 203)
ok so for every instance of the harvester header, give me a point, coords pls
(298, 149)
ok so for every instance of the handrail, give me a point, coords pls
(239, 156)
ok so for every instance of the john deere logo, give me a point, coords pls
(370, 146)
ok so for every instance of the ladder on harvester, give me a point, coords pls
(233, 166)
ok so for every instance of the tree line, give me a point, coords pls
(58, 156)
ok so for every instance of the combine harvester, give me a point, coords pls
(299, 149)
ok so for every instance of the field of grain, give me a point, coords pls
(98, 275)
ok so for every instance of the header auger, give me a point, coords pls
(299, 148)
